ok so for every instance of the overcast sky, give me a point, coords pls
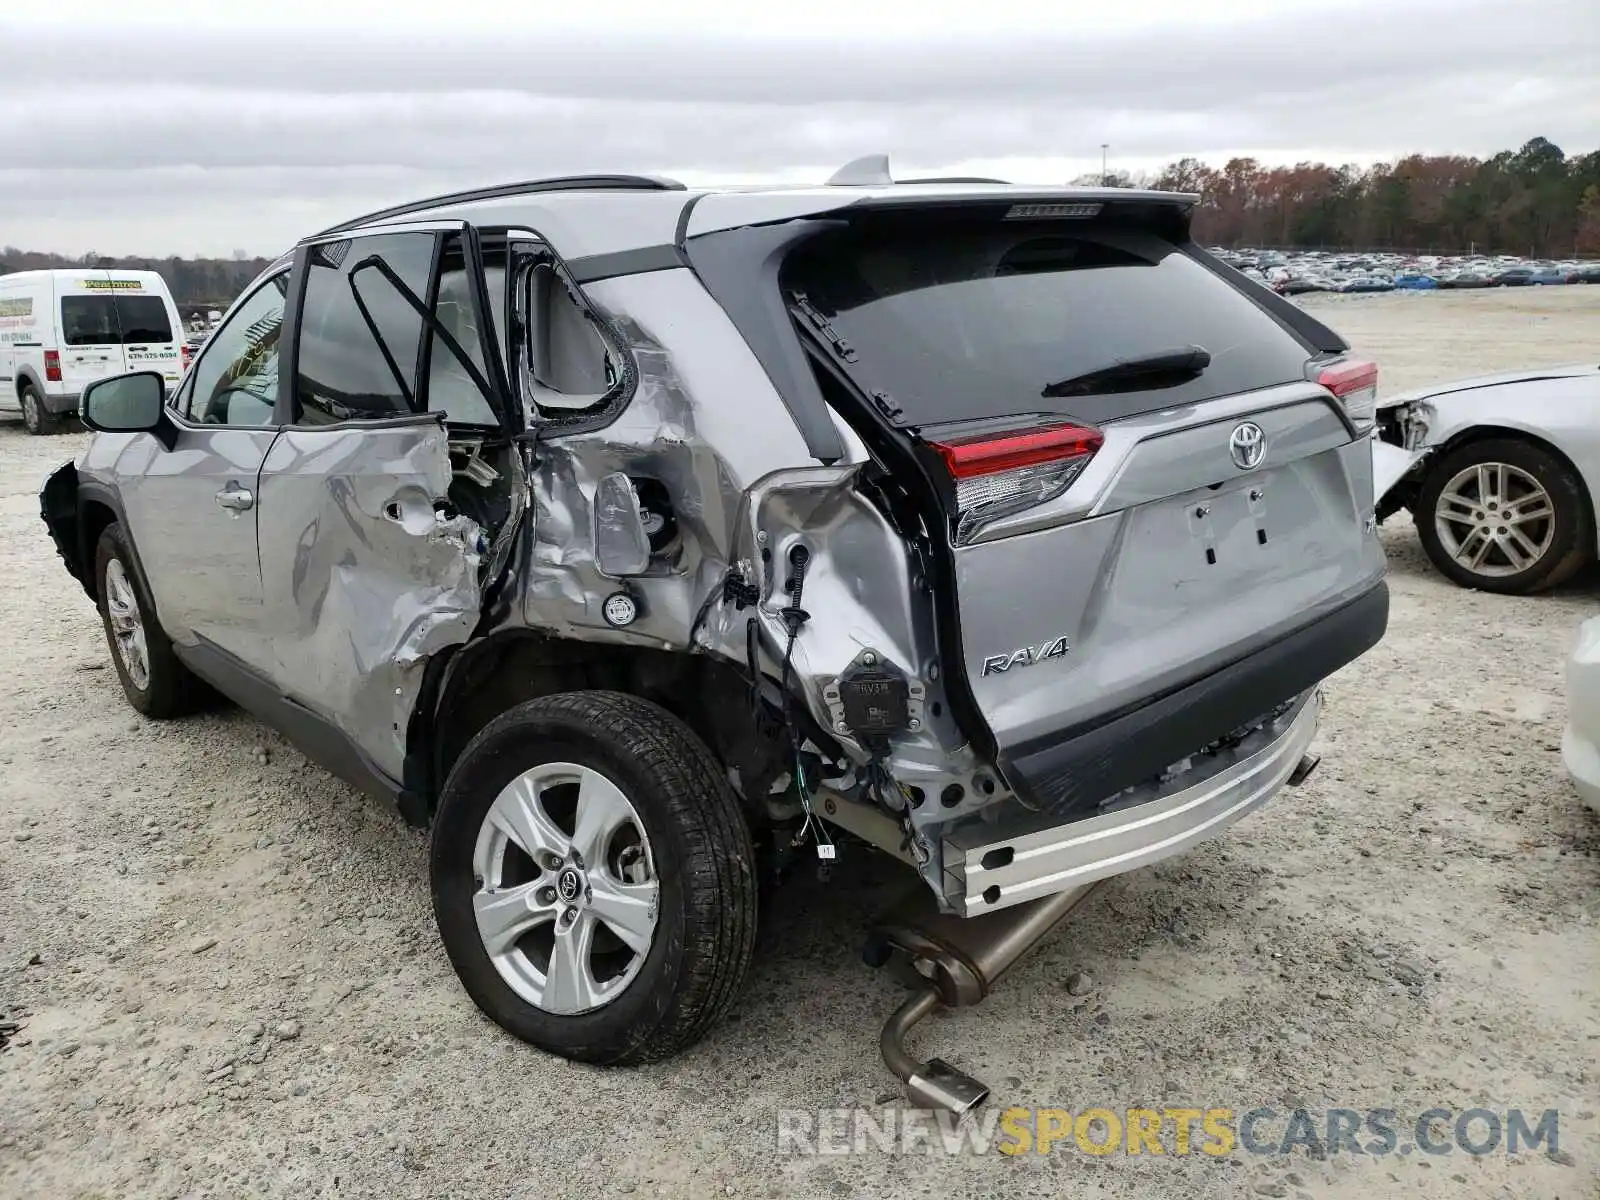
(165, 126)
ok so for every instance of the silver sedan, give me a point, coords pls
(1501, 474)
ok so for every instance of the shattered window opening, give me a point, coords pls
(571, 366)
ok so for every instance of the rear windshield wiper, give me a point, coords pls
(1164, 368)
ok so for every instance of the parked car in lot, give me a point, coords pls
(1501, 474)
(1512, 277)
(60, 330)
(1545, 275)
(1580, 743)
(631, 537)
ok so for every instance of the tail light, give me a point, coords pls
(996, 475)
(188, 355)
(52, 366)
(1355, 382)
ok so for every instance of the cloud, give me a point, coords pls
(214, 139)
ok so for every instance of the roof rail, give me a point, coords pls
(559, 183)
(956, 179)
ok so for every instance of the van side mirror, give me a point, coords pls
(125, 403)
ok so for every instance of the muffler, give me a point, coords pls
(954, 961)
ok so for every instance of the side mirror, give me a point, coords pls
(125, 403)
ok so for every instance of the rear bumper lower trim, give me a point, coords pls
(1070, 772)
(1033, 862)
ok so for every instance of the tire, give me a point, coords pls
(697, 854)
(164, 687)
(1564, 541)
(36, 418)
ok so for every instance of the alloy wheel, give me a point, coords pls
(1495, 519)
(127, 625)
(567, 894)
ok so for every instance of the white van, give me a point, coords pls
(61, 330)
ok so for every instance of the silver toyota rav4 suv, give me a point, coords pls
(639, 539)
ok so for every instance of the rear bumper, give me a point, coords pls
(992, 866)
(1069, 773)
(61, 404)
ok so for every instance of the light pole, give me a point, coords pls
(1105, 176)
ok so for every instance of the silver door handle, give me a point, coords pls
(235, 498)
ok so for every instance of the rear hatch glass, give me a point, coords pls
(959, 320)
(114, 320)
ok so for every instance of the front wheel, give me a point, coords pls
(154, 681)
(1506, 516)
(593, 878)
(36, 418)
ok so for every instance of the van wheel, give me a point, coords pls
(36, 418)
(593, 878)
(1506, 516)
(154, 681)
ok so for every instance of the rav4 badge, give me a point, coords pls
(1026, 656)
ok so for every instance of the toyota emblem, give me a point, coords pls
(568, 884)
(1248, 445)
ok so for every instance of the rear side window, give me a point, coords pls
(114, 320)
(962, 320)
(360, 336)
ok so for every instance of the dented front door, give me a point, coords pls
(366, 572)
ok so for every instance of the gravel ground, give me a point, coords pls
(228, 983)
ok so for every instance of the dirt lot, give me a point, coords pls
(229, 982)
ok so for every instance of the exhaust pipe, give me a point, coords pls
(935, 1083)
(956, 962)
(1303, 769)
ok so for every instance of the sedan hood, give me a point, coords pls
(1571, 371)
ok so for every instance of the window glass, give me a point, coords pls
(961, 319)
(360, 332)
(235, 381)
(114, 320)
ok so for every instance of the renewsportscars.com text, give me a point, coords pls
(1174, 1131)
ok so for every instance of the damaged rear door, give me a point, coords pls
(371, 549)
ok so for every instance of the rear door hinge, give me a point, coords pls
(885, 404)
(823, 326)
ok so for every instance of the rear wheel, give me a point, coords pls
(36, 418)
(593, 878)
(1504, 516)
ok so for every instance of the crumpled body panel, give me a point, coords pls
(705, 423)
(364, 576)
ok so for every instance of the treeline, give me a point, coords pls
(195, 283)
(1534, 201)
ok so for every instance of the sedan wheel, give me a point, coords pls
(1495, 519)
(1505, 515)
(567, 900)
